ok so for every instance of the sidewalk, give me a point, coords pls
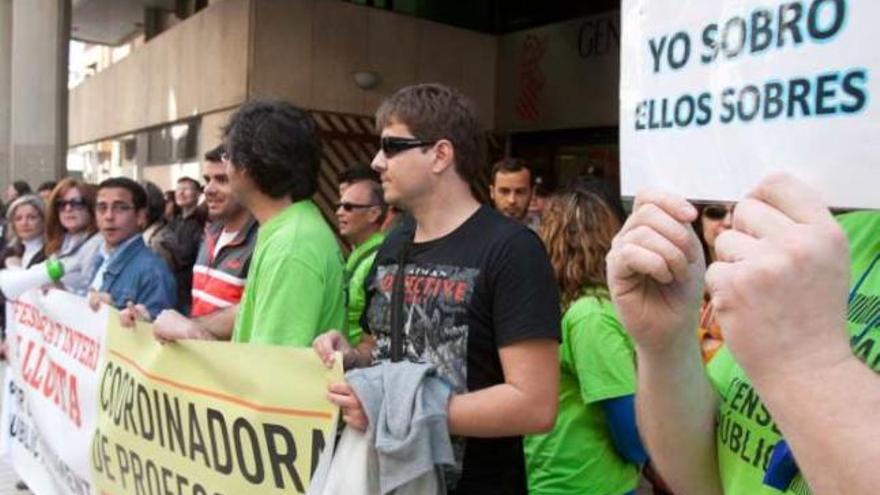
(8, 479)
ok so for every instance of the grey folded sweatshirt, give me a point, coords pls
(406, 404)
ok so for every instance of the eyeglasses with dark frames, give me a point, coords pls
(392, 145)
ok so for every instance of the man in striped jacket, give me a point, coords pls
(225, 253)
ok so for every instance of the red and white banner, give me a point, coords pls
(49, 414)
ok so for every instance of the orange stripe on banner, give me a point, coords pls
(223, 397)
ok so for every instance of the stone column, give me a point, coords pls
(5, 89)
(40, 41)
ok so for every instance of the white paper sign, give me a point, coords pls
(714, 95)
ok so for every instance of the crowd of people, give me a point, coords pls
(581, 346)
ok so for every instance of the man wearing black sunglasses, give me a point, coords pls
(477, 288)
(360, 214)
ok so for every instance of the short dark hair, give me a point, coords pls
(357, 173)
(363, 173)
(433, 112)
(215, 154)
(138, 195)
(378, 198)
(377, 193)
(49, 185)
(22, 187)
(511, 165)
(155, 202)
(196, 184)
(169, 198)
(276, 143)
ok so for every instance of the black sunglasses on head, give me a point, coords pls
(393, 145)
(352, 206)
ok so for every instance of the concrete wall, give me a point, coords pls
(308, 50)
(5, 89)
(560, 76)
(302, 50)
(198, 67)
(211, 130)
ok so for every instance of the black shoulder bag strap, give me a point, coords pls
(397, 297)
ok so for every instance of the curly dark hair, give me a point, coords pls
(276, 144)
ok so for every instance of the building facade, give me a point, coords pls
(149, 107)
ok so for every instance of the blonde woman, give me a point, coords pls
(26, 217)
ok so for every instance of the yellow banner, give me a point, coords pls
(206, 418)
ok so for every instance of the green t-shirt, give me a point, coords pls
(294, 288)
(745, 432)
(597, 359)
(357, 267)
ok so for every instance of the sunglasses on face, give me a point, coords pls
(393, 145)
(352, 206)
(74, 204)
(717, 212)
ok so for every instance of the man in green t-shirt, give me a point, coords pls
(799, 353)
(360, 214)
(294, 289)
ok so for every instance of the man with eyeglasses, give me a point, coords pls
(125, 271)
(476, 288)
(294, 289)
(360, 215)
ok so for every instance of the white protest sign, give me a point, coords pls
(49, 403)
(714, 95)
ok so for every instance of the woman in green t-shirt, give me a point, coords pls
(594, 448)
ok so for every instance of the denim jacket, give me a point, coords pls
(138, 275)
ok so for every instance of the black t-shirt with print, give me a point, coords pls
(485, 285)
